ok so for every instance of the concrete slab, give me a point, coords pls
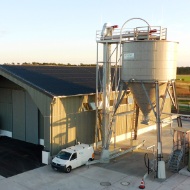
(184, 171)
(87, 178)
(71, 183)
(41, 177)
(101, 175)
(1, 177)
(185, 185)
(174, 181)
(132, 182)
(10, 184)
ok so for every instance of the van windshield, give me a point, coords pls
(63, 155)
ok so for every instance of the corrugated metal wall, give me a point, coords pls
(71, 123)
(122, 122)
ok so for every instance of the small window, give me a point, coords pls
(74, 156)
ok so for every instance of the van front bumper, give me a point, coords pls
(56, 166)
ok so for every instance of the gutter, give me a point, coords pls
(51, 124)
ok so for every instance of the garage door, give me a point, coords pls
(25, 117)
(31, 121)
(18, 98)
(6, 111)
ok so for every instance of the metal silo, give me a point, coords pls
(145, 62)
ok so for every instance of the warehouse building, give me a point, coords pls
(53, 106)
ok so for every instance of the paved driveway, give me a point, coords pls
(123, 173)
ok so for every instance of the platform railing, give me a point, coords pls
(133, 34)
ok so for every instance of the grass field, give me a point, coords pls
(183, 85)
(184, 101)
(185, 78)
(183, 91)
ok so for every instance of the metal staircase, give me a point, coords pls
(175, 160)
(180, 151)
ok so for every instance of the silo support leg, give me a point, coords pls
(136, 122)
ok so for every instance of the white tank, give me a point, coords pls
(145, 62)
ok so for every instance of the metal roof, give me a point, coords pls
(56, 80)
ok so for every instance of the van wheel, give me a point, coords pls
(90, 159)
(68, 169)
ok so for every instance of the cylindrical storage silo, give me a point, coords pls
(143, 63)
(149, 60)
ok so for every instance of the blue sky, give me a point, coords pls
(63, 31)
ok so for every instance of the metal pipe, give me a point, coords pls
(127, 22)
(106, 92)
(51, 125)
(164, 98)
(97, 102)
(158, 123)
(136, 121)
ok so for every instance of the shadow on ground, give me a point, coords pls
(18, 156)
(133, 164)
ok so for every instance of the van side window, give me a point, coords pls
(74, 156)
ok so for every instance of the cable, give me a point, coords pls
(146, 159)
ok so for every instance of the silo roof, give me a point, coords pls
(56, 80)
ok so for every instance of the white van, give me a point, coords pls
(73, 157)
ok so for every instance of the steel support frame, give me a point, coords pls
(108, 116)
(158, 112)
(175, 102)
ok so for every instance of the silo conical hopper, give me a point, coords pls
(144, 93)
(144, 63)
